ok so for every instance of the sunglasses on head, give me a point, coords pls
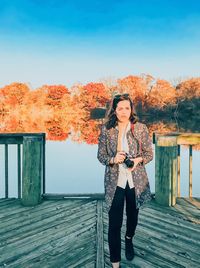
(118, 96)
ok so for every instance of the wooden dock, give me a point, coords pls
(73, 233)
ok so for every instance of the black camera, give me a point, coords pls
(129, 163)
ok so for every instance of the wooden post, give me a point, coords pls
(44, 165)
(166, 153)
(179, 174)
(32, 167)
(6, 170)
(99, 237)
(190, 171)
(19, 169)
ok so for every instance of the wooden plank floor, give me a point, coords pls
(73, 233)
(165, 237)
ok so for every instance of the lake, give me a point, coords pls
(72, 167)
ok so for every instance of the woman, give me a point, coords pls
(124, 147)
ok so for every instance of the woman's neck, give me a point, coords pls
(123, 124)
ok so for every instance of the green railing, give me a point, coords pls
(167, 165)
(30, 165)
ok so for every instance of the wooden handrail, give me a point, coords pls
(175, 140)
(18, 138)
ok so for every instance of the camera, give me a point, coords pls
(129, 163)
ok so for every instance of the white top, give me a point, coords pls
(125, 174)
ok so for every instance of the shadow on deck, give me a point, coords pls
(73, 233)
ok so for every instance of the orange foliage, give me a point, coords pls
(137, 86)
(10, 125)
(162, 94)
(86, 131)
(54, 94)
(189, 89)
(58, 111)
(161, 128)
(14, 93)
(36, 97)
(93, 95)
(55, 132)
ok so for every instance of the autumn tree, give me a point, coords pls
(189, 89)
(55, 131)
(54, 94)
(63, 113)
(14, 94)
(138, 87)
(161, 95)
(86, 131)
(93, 95)
(188, 98)
(111, 85)
(11, 100)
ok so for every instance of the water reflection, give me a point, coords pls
(76, 113)
(71, 120)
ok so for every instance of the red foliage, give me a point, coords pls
(94, 94)
(14, 93)
(55, 132)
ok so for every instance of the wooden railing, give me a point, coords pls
(167, 164)
(31, 179)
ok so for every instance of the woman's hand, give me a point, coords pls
(136, 161)
(119, 158)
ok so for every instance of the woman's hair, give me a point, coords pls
(111, 118)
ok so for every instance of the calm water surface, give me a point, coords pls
(74, 168)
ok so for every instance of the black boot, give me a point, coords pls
(129, 250)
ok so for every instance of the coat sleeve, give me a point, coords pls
(147, 145)
(102, 153)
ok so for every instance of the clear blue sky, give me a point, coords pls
(65, 42)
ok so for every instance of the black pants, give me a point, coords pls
(116, 219)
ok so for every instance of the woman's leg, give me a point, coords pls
(131, 222)
(131, 212)
(115, 224)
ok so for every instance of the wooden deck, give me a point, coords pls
(73, 233)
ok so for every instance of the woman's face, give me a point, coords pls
(123, 111)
